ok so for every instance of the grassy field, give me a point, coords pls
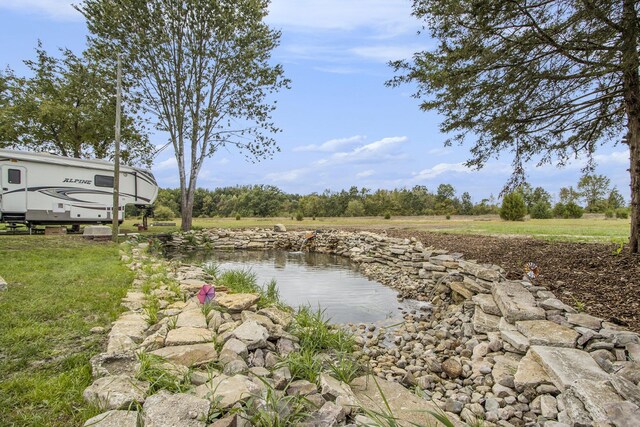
(590, 228)
(59, 288)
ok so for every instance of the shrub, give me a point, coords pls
(513, 207)
(622, 213)
(299, 216)
(558, 210)
(572, 210)
(387, 216)
(541, 210)
(609, 213)
(163, 213)
(238, 217)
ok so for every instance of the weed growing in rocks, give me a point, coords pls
(151, 309)
(275, 409)
(304, 365)
(345, 367)
(212, 269)
(161, 375)
(315, 332)
(239, 281)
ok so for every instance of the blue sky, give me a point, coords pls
(340, 125)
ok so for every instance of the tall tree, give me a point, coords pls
(594, 190)
(203, 70)
(545, 80)
(67, 106)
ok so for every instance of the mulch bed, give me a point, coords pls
(592, 275)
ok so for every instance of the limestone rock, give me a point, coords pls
(452, 368)
(236, 303)
(623, 414)
(114, 418)
(585, 320)
(335, 390)
(408, 408)
(595, 395)
(479, 271)
(227, 391)
(116, 392)
(516, 302)
(238, 347)
(487, 304)
(279, 228)
(566, 365)
(164, 409)
(530, 374)
(191, 318)
(504, 369)
(514, 338)
(277, 316)
(113, 364)
(544, 332)
(301, 388)
(188, 335)
(252, 334)
(483, 322)
(188, 355)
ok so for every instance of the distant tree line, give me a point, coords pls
(269, 201)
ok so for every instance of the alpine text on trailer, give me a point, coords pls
(41, 188)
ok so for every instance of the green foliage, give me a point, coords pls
(609, 213)
(541, 210)
(67, 106)
(163, 213)
(239, 281)
(52, 302)
(345, 367)
(304, 365)
(594, 189)
(622, 213)
(572, 210)
(275, 409)
(224, 54)
(615, 199)
(354, 208)
(150, 309)
(387, 216)
(513, 207)
(270, 295)
(238, 217)
(160, 374)
(299, 216)
(316, 334)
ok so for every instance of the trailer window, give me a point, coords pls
(14, 176)
(103, 181)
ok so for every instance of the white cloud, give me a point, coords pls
(377, 150)
(287, 176)
(332, 144)
(387, 16)
(170, 163)
(365, 174)
(615, 157)
(440, 169)
(57, 9)
(442, 151)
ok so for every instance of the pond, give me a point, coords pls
(330, 282)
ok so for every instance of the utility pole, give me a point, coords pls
(115, 214)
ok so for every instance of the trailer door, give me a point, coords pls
(14, 189)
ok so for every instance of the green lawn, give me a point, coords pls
(59, 288)
(590, 228)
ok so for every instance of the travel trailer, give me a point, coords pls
(41, 188)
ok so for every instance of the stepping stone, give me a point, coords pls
(595, 395)
(185, 410)
(116, 392)
(530, 374)
(516, 302)
(236, 303)
(487, 304)
(566, 365)
(479, 271)
(132, 325)
(544, 332)
(188, 355)
(191, 318)
(114, 418)
(408, 408)
(187, 336)
(226, 391)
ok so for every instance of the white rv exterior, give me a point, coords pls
(41, 188)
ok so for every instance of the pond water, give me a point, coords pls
(328, 281)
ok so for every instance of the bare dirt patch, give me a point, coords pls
(593, 275)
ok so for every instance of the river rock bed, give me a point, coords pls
(479, 347)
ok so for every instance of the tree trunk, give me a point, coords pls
(630, 64)
(187, 209)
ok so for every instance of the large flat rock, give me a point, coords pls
(408, 408)
(487, 304)
(484, 323)
(595, 395)
(191, 318)
(236, 303)
(252, 334)
(566, 365)
(530, 374)
(516, 302)
(544, 332)
(116, 392)
(188, 355)
(164, 409)
(226, 391)
(187, 336)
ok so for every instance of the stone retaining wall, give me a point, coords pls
(507, 352)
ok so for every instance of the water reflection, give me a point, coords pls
(315, 279)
